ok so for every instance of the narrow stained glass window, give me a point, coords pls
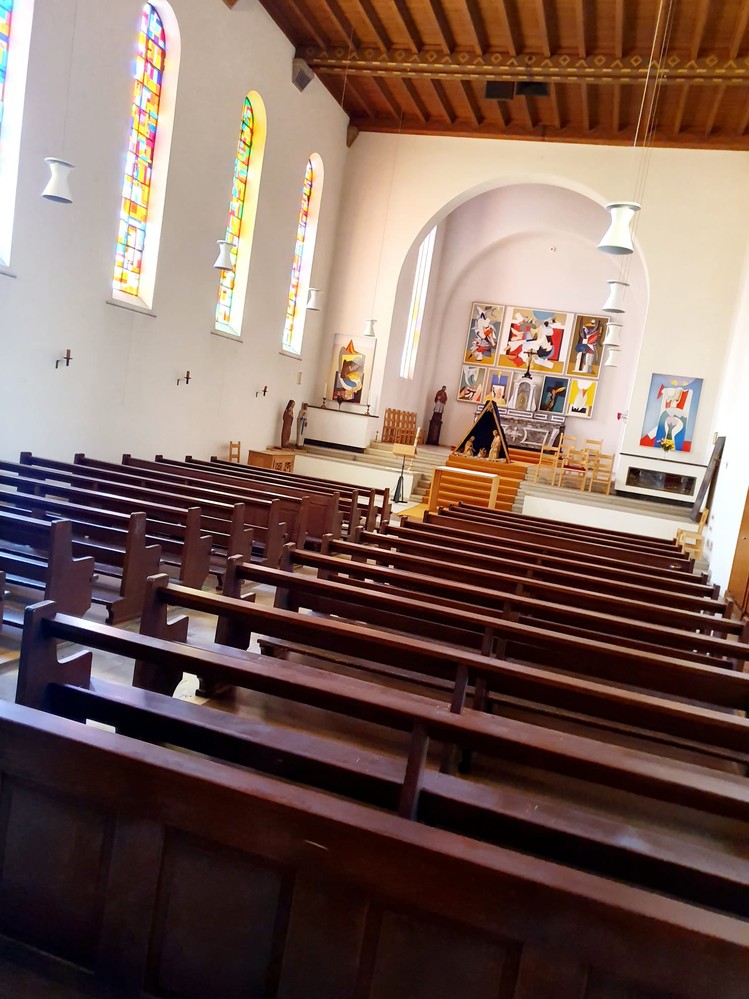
(418, 302)
(293, 328)
(236, 211)
(6, 15)
(149, 69)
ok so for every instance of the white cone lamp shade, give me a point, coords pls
(618, 239)
(615, 301)
(369, 327)
(313, 300)
(613, 335)
(223, 260)
(58, 185)
(612, 357)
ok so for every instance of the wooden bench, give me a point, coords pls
(38, 555)
(114, 887)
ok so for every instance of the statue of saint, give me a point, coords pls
(495, 446)
(287, 423)
(468, 449)
(435, 424)
(301, 425)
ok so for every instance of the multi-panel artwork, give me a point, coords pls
(483, 333)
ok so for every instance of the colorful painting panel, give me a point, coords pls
(351, 369)
(472, 381)
(498, 386)
(581, 397)
(536, 333)
(586, 346)
(483, 334)
(554, 394)
(671, 411)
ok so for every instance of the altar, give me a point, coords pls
(531, 431)
(342, 428)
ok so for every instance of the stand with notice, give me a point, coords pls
(406, 451)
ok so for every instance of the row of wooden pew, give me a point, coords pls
(486, 763)
(131, 519)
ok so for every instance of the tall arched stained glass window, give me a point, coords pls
(6, 17)
(416, 309)
(304, 251)
(242, 208)
(136, 189)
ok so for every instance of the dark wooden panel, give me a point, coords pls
(217, 902)
(53, 856)
(546, 974)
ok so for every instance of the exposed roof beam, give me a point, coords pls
(417, 42)
(582, 48)
(554, 96)
(382, 86)
(419, 104)
(308, 21)
(713, 112)
(446, 36)
(353, 87)
(618, 28)
(442, 98)
(375, 24)
(478, 28)
(744, 121)
(680, 109)
(345, 26)
(509, 26)
(584, 107)
(708, 70)
(543, 27)
(524, 103)
(698, 34)
(471, 101)
(739, 30)
(616, 107)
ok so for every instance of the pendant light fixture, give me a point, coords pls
(58, 185)
(224, 260)
(617, 239)
(613, 334)
(612, 357)
(615, 301)
(313, 300)
(369, 327)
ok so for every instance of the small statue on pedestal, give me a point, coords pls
(287, 423)
(435, 424)
(301, 425)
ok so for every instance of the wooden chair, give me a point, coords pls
(572, 461)
(235, 449)
(601, 472)
(690, 538)
(547, 461)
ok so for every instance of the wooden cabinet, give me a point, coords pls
(275, 458)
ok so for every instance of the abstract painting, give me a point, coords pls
(671, 411)
(581, 397)
(535, 333)
(351, 368)
(554, 394)
(498, 386)
(586, 346)
(472, 381)
(483, 334)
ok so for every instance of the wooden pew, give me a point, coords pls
(36, 555)
(592, 565)
(573, 617)
(533, 543)
(262, 516)
(114, 887)
(505, 581)
(713, 877)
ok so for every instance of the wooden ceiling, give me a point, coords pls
(421, 66)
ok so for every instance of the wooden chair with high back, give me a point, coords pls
(601, 472)
(235, 450)
(690, 538)
(547, 461)
(574, 461)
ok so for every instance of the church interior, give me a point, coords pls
(374, 516)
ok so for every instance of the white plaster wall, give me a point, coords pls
(120, 392)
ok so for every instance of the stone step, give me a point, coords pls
(670, 511)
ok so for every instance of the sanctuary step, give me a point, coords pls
(380, 456)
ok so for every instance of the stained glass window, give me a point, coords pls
(236, 210)
(6, 14)
(418, 302)
(149, 69)
(292, 308)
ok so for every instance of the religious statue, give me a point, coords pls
(287, 423)
(301, 425)
(495, 446)
(482, 453)
(468, 449)
(435, 424)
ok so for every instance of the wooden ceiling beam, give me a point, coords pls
(443, 26)
(345, 26)
(444, 102)
(680, 109)
(584, 107)
(582, 47)
(554, 100)
(509, 27)
(616, 108)
(418, 103)
(383, 88)
(739, 30)
(478, 27)
(473, 104)
(374, 24)
(308, 21)
(744, 124)
(409, 25)
(353, 87)
(543, 27)
(713, 112)
(703, 9)
(618, 29)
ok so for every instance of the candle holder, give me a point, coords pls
(323, 403)
(367, 413)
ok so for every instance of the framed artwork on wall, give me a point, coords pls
(483, 334)
(581, 397)
(586, 346)
(351, 368)
(671, 411)
(498, 385)
(472, 382)
(554, 394)
(538, 332)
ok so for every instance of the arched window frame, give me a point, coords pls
(141, 296)
(248, 166)
(304, 252)
(418, 304)
(13, 96)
